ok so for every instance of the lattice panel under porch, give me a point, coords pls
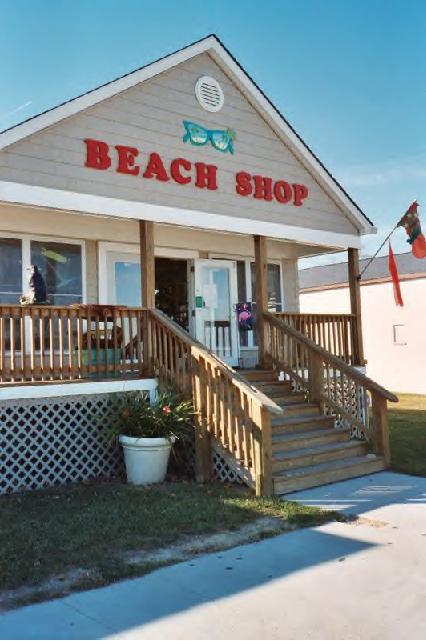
(53, 441)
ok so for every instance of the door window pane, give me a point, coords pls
(127, 283)
(10, 270)
(61, 267)
(216, 309)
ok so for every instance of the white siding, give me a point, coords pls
(149, 116)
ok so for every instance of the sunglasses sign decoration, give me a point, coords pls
(220, 139)
(128, 160)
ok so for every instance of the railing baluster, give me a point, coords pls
(52, 317)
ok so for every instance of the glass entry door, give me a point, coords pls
(215, 298)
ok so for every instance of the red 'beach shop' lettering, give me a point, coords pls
(183, 172)
(98, 157)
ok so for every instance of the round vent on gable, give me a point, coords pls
(209, 93)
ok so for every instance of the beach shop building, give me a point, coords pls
(166, 212)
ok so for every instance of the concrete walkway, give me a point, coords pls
(339, 581)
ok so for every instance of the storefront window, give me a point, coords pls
(274, 286)
(10, 270)
(61, 267)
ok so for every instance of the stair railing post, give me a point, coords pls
(203, 462)
(381, 427)
(316, 377)
(263, 454)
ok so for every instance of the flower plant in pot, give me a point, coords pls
(147, 432)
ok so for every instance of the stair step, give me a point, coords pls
(274, 386)
(308, 456)
(323, 473)
(290, 399)
(259, 374)
(298, 409)
(308, 438)
(286, 424)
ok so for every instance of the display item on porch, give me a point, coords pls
(395, 278)
(36, 288)
(411, 223)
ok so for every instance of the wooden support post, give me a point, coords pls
(146, 243)
(355, 295)
(261, 269)
(381, 427)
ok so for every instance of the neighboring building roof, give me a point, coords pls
(335, 275)
(212, 45)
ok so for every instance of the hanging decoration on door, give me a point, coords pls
(220, 139)
(245, 317)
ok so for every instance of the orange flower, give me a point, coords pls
(167, 409)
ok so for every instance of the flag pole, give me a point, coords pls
(373, 257)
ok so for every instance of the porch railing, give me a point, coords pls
(228, 409)
(327, 379)
(335, 333)
(48, 343)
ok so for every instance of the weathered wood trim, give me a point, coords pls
(261, 268)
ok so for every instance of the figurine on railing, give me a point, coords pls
(36, 289)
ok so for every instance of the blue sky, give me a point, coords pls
(348, 74)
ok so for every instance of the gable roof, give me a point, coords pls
(336, 274)
(213, 46)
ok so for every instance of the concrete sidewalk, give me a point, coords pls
(342, 580)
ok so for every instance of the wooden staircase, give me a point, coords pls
(307, 449)
(275, 439)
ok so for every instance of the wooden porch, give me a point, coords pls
(301, 419)
(249, 417)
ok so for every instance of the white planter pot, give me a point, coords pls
(146, 459)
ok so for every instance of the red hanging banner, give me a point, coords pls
(395, 278)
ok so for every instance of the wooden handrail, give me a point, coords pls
(334, 332)
(354, 373)
(322, 315)
(339, 388)
(231, 414)
(236, 379)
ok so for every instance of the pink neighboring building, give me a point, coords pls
(394, 337)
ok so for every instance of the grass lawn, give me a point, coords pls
(93, 526)
(407, 421)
